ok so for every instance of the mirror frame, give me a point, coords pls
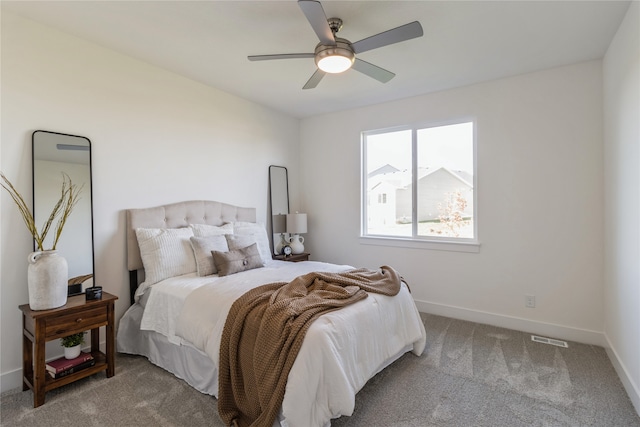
(87, 188)
(275, 185)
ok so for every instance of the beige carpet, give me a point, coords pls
(470, 375)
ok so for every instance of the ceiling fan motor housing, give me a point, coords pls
(335, 24)
(342, 48)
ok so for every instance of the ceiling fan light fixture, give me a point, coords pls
(335, 59)
(335, 64)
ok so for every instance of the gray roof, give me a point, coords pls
(383, 170)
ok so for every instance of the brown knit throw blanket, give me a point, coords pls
(264, 331)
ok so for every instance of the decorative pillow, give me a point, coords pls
(204, 230)
(202, 247)
(259, 232)
(235, 241)
(165, 252)
(237, 260)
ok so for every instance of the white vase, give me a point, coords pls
(297, 246)
(47, 277)
(72, 352)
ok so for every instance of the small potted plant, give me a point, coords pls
(72, 344)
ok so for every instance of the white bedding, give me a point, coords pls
(342, 349)
(164, 305)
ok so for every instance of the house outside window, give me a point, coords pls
(423, 181)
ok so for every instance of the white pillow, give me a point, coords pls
(204, 230)
(165, 252)
(202, 247)
(259, 232)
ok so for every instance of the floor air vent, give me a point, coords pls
(551, 341)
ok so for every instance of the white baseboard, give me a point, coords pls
(549, 330)
(627, 381)
(11, 380)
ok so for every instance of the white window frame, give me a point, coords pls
(457, 244)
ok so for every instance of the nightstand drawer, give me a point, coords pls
(83, 320)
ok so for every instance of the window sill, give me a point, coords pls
(439, 245)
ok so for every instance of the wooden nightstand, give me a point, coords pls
(293, 258)
(77, 315)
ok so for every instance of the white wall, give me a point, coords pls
(156, 138)
(622, 201)
(540, 201)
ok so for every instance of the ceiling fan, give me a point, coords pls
(334, 54)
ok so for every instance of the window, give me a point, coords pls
(419, 183)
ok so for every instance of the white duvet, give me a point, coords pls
(341, 351)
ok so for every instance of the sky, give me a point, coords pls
(450, 146)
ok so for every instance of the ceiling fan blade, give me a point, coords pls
(395, 35)
(280, 56)
(314, 80)
(315, 15)
(373, 71)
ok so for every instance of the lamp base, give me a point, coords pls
(297, 246)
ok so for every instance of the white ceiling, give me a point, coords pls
(463, 42)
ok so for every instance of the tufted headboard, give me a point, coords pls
(176, 215)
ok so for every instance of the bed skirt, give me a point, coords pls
(185, 362)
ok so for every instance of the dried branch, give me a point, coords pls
(69, 197)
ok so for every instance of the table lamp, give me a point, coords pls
(296, 225)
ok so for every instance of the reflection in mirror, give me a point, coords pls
(279, 200)
(55, 154)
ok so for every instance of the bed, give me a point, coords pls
(177, 315)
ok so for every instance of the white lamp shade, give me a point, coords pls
(279, 223)
(296, 223)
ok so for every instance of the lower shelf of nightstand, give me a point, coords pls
(53, 383)
(101, 365)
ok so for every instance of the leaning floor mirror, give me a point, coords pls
(279, 200)
(54, 155)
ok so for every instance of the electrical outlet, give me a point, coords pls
(530, 301)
